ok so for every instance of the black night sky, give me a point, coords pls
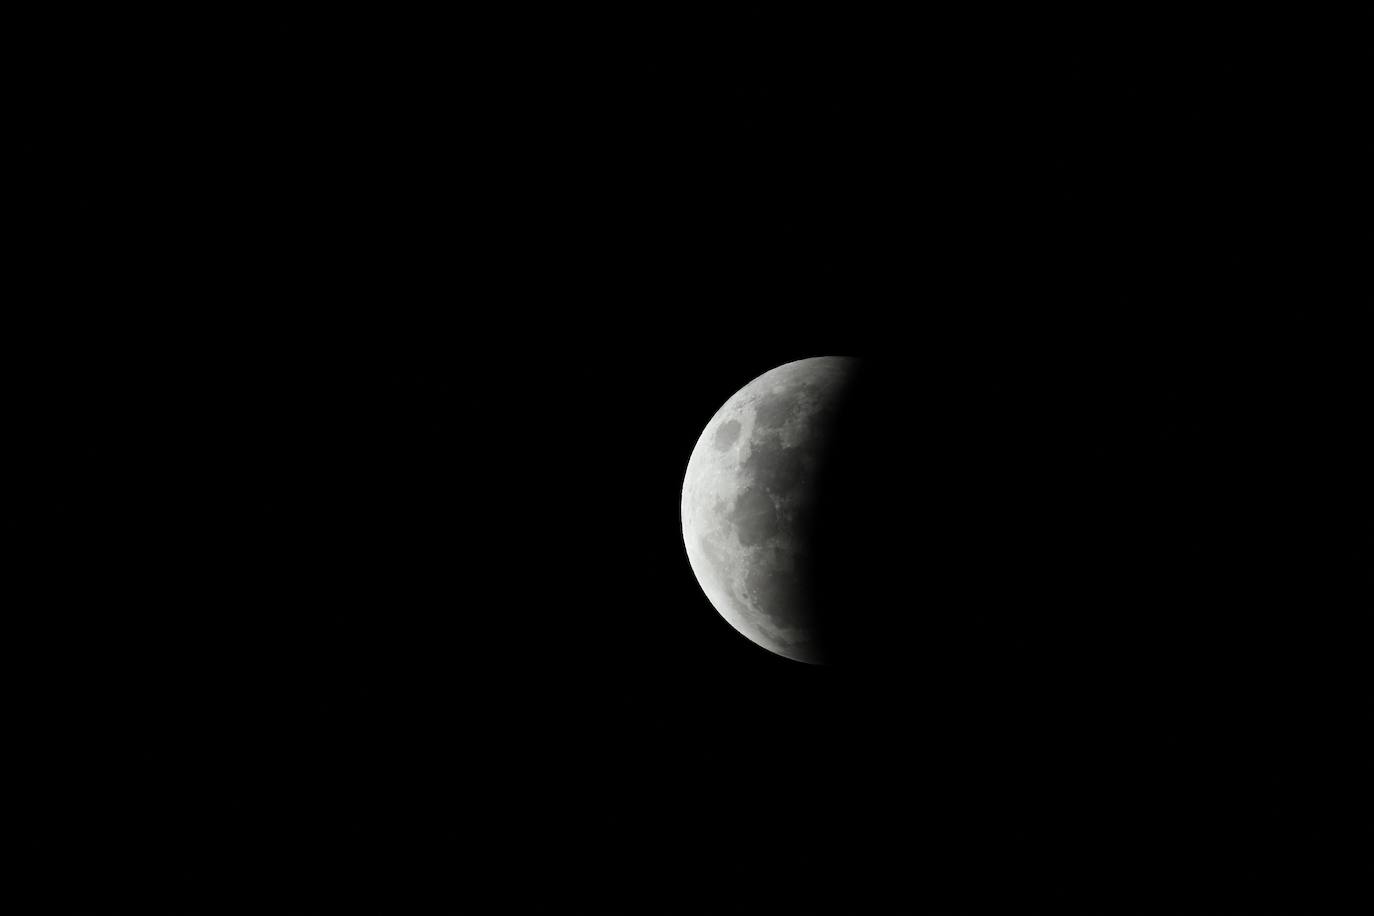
(366, 586)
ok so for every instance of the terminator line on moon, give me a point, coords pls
(747, 498)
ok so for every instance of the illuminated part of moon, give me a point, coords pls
(748, 496)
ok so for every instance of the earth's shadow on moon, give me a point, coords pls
(862, 534)
(894, 548)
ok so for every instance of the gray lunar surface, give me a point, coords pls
(748, 495)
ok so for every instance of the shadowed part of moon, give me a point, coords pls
(749, 495)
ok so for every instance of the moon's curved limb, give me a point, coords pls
(747, 495)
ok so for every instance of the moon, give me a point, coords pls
(749, 497)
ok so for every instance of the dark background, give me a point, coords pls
(373, 355)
